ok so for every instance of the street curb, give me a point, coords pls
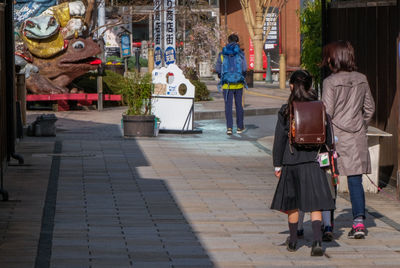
(209, 115)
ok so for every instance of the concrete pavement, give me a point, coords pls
(89, 198)
(262, 99)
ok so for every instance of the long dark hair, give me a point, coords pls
(302, 89)
(339, 56)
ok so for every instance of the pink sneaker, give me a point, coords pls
(357, 232)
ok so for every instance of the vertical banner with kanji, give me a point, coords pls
(251, 54)
(271, 44)
(169, 32)
(158, 52)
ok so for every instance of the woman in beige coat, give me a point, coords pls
(348, 100)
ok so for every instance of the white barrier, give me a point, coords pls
(173, 99)
(374, 149)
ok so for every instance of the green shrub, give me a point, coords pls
(112, 82)
(201, 91)
(136, 92)
(190, 73)
(311, 30)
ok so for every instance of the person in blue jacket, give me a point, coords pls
(231, 68)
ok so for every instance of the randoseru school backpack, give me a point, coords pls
(307, 124)
(232, 61)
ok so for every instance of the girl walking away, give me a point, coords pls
(302, 182)
(348, 100)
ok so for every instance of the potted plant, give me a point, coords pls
(137, 92)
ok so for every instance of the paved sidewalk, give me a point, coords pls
(262, 99)
(89, 198)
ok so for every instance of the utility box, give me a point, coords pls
(43, 126)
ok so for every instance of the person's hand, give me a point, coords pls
(278, 172)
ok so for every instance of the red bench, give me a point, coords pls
(62, 99)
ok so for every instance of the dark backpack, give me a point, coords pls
(307, 123)
(232, 61)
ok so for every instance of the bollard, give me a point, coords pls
(268, 76)
(282, 71)
(151, 59)
(137, 58)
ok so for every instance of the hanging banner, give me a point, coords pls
(126, 45)
(251, 55)
(271, 44)
(157, 34)
(169, 32)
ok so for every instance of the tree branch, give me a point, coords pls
(281, 4)
(89, 11)
(247, 17)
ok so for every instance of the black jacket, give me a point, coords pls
(281, 153)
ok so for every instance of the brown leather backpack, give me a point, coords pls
(307, 123)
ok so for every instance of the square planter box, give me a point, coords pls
(138, 125)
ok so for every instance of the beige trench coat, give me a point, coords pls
(348, 100)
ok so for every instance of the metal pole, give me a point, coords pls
(126, 66)
(226, 16)
(101, 12)
(282, 71)
(137, 58)
(150, 62)
(268, 76)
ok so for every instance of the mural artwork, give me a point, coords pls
(50, 48)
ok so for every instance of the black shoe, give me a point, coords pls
(316, 249)
(327, 235)
(229, 131)
(300, 233)
(291, 246)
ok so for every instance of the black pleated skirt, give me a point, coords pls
(303, 186)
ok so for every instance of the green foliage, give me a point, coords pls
(201, 91)
(190, 73)
(136, 92)
(311, 30)
(112, 82)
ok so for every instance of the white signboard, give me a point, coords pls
(174, 107)
(158, 52)
(169, 32)
(111, 35)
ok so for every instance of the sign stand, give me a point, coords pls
(173, 100)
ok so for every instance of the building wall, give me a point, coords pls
(290, 28)
(373, 31)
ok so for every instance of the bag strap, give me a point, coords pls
(290, 127)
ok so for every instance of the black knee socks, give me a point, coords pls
(316, 227)
(293, 232)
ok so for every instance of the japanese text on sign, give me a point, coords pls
(157, 34)
(272, 23)
(169, 31)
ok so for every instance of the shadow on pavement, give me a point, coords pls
(100, 211)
